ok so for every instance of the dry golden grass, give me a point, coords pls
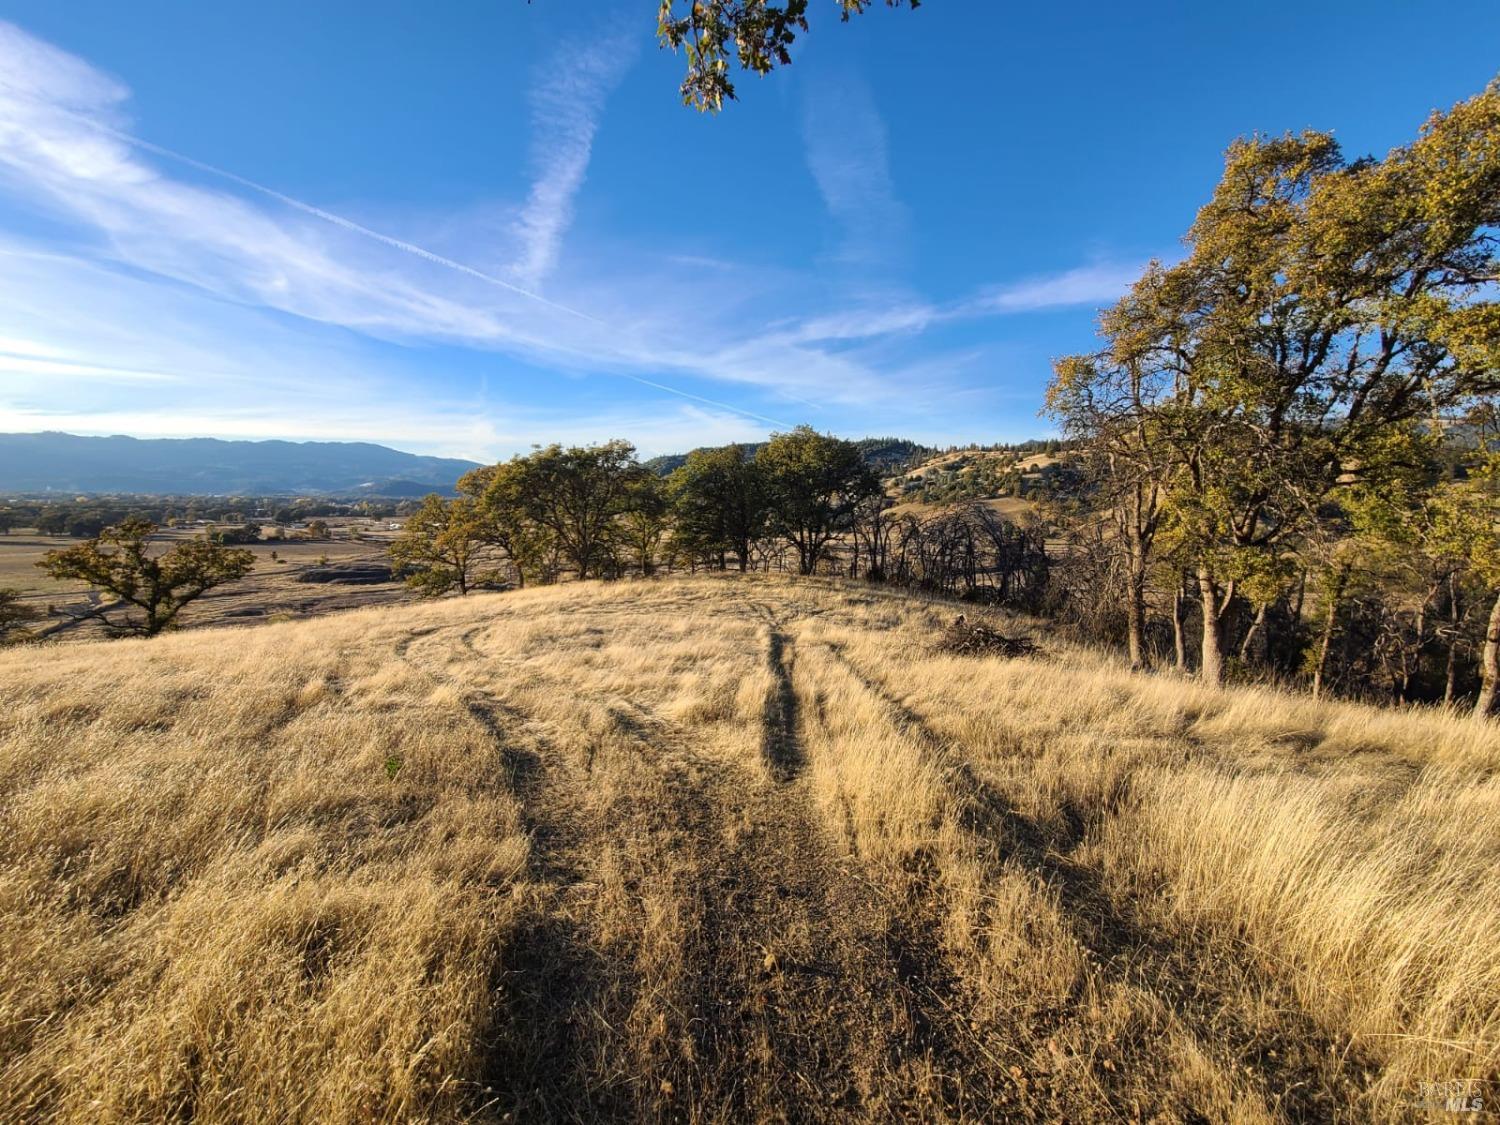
(723, 847)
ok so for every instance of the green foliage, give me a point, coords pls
(118, 562)
(814, 484)
(14, 613)
(720, 500)
(442, 546)
(889, 455)
(643, 523)
(976, 478)
(886, 455)
(500, 490)
(757, 34)
(1325, 309)
(237, 535)
(566, 501)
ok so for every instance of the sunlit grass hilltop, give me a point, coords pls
(722, 847)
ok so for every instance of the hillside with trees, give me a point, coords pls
(1282, 464)
(1147, 772)
(1293, 430)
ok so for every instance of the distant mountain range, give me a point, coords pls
(57, 462)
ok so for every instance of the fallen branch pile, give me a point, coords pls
(973, 639)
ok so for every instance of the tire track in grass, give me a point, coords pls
(783, 987)
(933, 1046)
(1296, 1078)
(539, 1058)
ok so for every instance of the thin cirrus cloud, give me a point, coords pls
(1101, 283)
(844, 141)
(61, 150)
(1095, 285)
(565, 110)
(66, 151)
(283, 379)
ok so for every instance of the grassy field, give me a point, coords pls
(20, 552)
(716, 848)
(271, 591)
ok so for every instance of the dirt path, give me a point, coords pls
(761, 973)
(698, 947)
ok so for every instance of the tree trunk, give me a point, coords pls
(1325, 642)
(1489, 667)
(1455, 623)
(1179, 640)
(1135, 616)
(1211, 666)
(1248, 646)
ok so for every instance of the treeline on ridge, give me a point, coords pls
(1290, 437)
(803, 502)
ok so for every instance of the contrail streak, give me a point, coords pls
(355, 228)
(318, 212)
(710, 401)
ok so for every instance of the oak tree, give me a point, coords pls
(151, 590)
(719, 497)
(815, 484)
(443, 545)
(1322, 302)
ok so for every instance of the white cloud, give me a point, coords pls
(430, 432)
(845, 143)
(155, 367)
(23, 365)
(190, 265)
(863, 322)
(1097, 284)
(61, 150)
(565, 111)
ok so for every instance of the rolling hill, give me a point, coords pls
(721, 848)
(58, 462)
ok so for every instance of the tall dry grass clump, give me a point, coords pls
(1335, 858)
(258, 880)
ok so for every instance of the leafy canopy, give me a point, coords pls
(442, 545)
(815, 484)
(719, 496)
(757, 35)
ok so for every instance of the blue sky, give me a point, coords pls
(465, 226)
